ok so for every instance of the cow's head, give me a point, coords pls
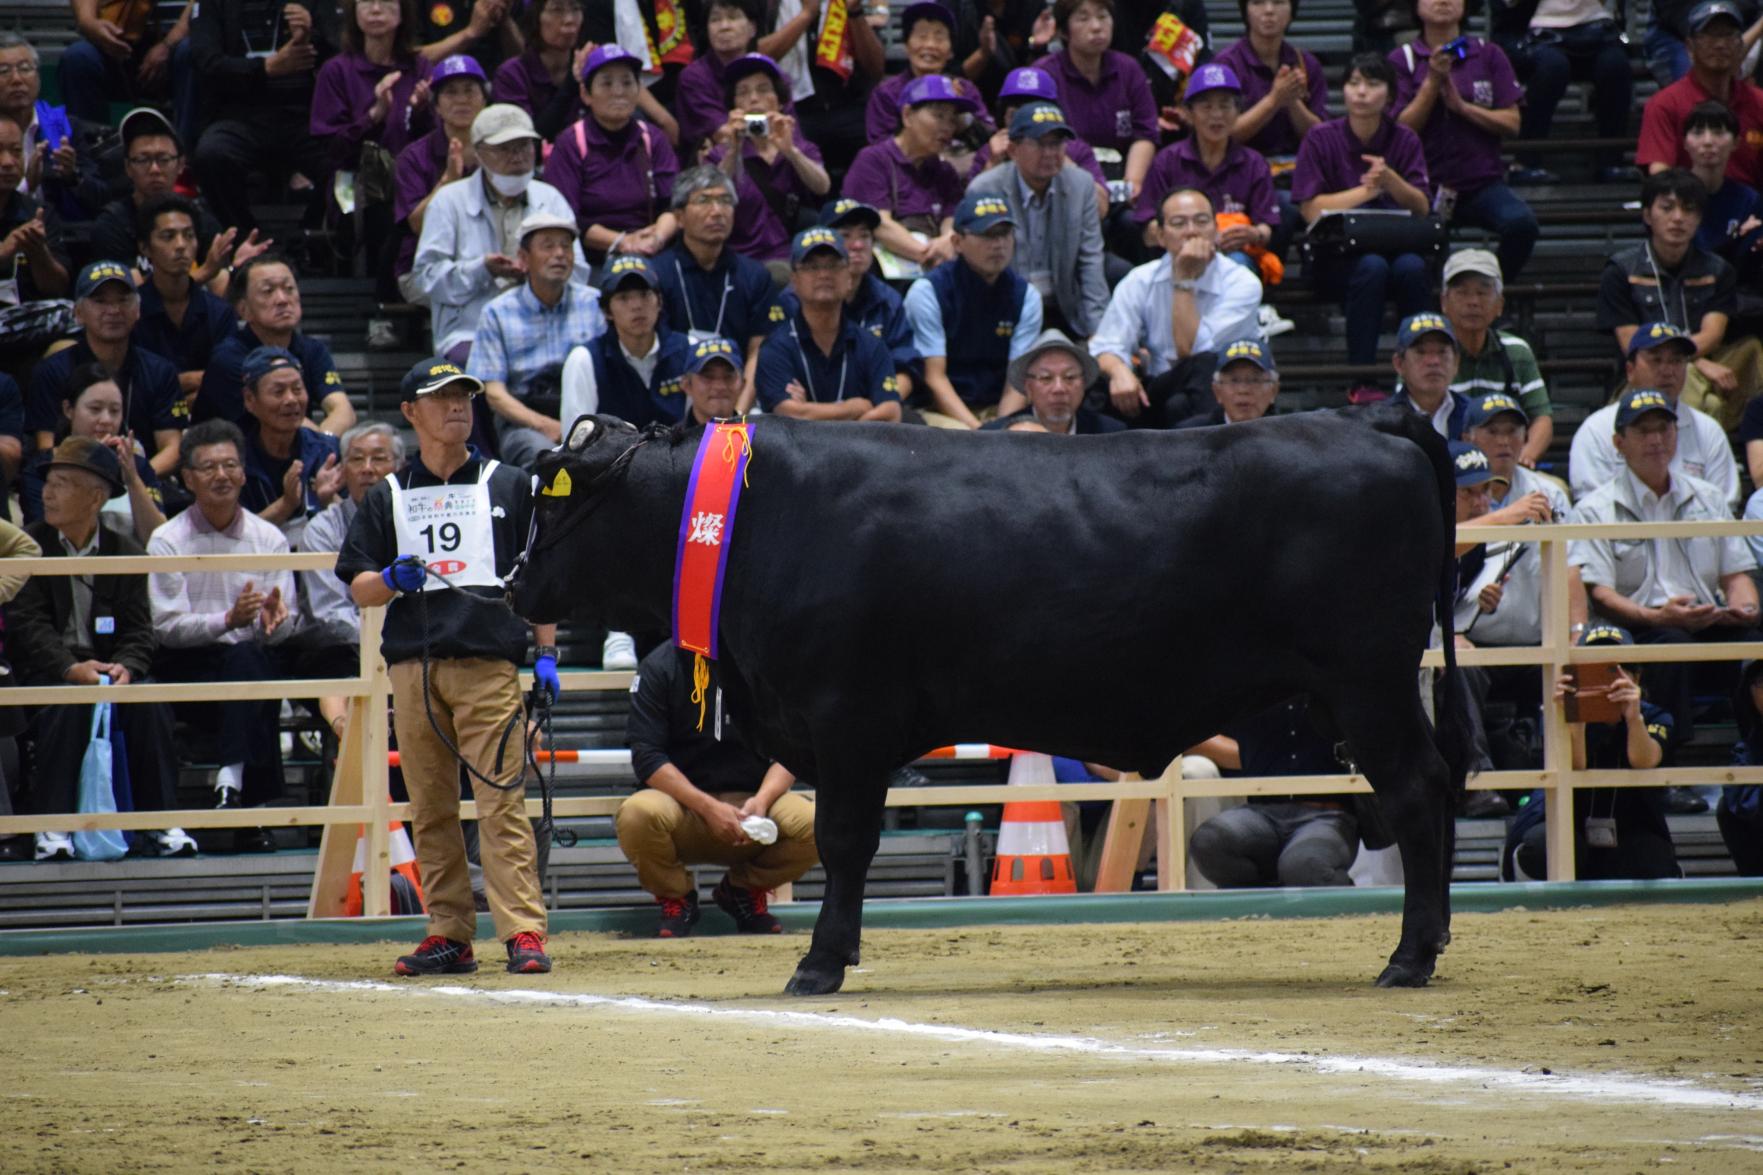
(586, 550)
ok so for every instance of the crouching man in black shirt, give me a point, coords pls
(700, 784)
(466, 518)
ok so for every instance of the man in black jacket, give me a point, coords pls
(702, 788)
(257, 60)
(73, 630)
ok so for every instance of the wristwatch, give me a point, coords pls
(545, 651)
(1187, 284)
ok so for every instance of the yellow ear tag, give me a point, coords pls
(559, 487)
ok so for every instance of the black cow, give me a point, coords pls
(1117, 599)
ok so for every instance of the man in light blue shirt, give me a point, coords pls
(526, 333)
(1182, 308)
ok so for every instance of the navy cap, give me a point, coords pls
(1417, 326)
(925, 10)
(264, 360)
(627, 268)
(98, 273)
(1485, 407)
(89, 456)
(812, 240)
(1709, 10)
(712, 350)
(1038, 120)
(1605, 633)
(981, 212)
(1247, 351)
(1212, 76)
(1471, 465)
(748, 63)
(610, 54)
(432, 375)
(1659, 334)
(1637, 402)
(846, 211)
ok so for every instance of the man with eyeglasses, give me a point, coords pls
(820, 365)
(225, 625)
(50, 161)
(1244, 386)
(1054, 373)
(468, 250)
(152, 158)
(1181, 310)
(107, 306)
(257, 60)
(1717, 55)
(1665, 591)
(707, 290)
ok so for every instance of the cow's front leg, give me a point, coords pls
(847, 829)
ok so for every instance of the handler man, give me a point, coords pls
(468, 523)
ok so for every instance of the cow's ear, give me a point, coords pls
(581, 434)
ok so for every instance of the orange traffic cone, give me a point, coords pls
(1033, 854)
(406, 881)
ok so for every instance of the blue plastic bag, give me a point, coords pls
(96, 796)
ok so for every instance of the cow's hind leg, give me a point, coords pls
(1390, 741)
(847, 829)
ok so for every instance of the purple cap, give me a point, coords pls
(1212, 76)
(1028, 82)
(610, 54)
(937, 88)
(457, 66)
(748, 63)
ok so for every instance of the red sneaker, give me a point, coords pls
(437, 956)
(678, 916)
(526, 954)
(747, 907)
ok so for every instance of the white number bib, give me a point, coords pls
(448, 528)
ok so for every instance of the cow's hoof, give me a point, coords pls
(1404, 975)
(807, 982)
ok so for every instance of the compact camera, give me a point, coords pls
(758, 126)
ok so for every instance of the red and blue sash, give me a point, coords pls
(705, 526)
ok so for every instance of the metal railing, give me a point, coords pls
(360, 796)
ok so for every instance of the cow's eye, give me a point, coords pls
(580, 435)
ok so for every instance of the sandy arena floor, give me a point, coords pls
(1612, 1039)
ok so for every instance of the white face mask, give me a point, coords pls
(510, 185)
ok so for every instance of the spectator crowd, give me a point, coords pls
(1070, 217)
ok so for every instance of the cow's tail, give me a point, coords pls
(1454, 720)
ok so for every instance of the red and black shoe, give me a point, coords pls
(678, 916)
(437, 956)
(526, 954)
(746, 906)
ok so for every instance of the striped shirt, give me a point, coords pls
(190, 609)
(1484, 373)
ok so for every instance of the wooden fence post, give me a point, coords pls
(1557, 746)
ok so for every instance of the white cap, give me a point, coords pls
(501, 123)
(1476, 261)
(538, 220)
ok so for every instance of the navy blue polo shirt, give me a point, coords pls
(732, 300)
(11, 408)
(858, 368)
(223, 388)
(878, 308)
(625, 394)
(207, 320)
(263, 473)
(151, 399)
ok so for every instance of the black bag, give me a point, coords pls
(1387, 233)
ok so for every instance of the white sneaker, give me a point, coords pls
(619, 651)
(175, 842)
(1271, 323)
(54, 846)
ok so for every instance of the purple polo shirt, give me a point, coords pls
(1459, 155)
(1243, 182)
(621, 180)
(524, 82)
(882, 116)
(758, 233)
(1329, 160)
(418, 169)
(700, 100)
(1076, 151)
(1279, 136)
(882, 177)
(342, 96)
(1114, 112)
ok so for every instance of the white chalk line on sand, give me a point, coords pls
(1613, 1087)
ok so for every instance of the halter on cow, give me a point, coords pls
(1117, 599)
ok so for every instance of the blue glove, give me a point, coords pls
(404, 575)
(545, 674)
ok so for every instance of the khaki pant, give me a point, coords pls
(473, 700)
(660, 837)
(1745, 357)
(937, 420)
